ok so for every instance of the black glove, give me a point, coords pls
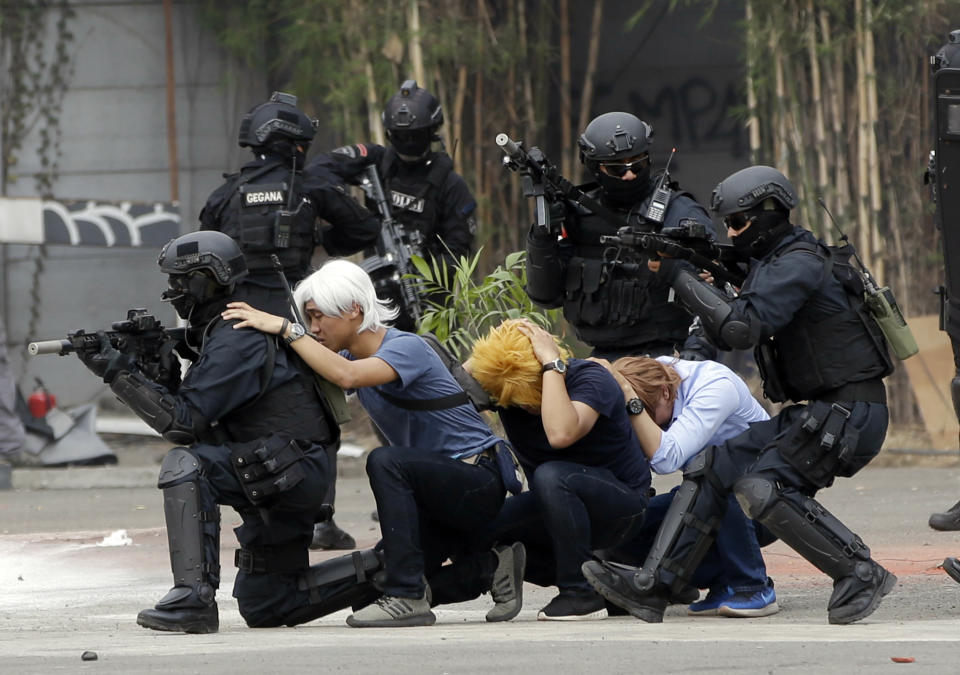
(670, 268)
(108, 362)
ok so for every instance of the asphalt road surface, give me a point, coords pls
(71, 581)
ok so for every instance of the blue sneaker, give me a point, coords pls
(748, 604)
(710, 605)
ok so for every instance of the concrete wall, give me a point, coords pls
(115, 149)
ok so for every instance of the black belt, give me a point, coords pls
(261, 560)
(868, 391)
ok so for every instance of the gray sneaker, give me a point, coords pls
(507, 586)
(390, 611)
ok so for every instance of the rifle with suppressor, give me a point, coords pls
(395, 248)
(141, 336)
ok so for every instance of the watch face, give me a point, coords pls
(296, 331)
(635, 406)
(560, 366)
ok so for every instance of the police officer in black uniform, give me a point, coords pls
(801, 306)
(271, 205)
(618, 309)
(428, 198)
(250, 429)
(270, 208)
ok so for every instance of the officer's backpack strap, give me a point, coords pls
(817, 249)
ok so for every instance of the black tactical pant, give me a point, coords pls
(756, 452)
(265, 599)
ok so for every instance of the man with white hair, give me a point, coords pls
(438, 480)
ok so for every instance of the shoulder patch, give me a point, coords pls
(345, 152)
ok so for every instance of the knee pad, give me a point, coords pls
(755, 494)
(699, 464)
(178, 466)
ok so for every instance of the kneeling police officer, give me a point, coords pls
(802, 307)
(250, 429)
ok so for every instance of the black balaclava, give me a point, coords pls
(764, 233)
(623, 193)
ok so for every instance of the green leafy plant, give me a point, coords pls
(459, 309)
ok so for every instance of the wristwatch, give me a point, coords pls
(558, 365)
(297, 331)
(634, 406)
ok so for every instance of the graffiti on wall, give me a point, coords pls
(110, 224)
(694, 113)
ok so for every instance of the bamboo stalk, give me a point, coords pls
(566, 109)
(589, 74)
(457, 122)
(416, 48)
(531, 116)
(819, 133)
(753, 122)
(863, 184)
(876, 202)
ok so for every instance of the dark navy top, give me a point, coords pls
(610, 444)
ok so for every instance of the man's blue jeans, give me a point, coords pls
(570, 510)
(430, 507)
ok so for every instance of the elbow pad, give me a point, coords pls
(157, 409)
(544, 270)
(713, 308)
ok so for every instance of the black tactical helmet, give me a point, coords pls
(202, 266)
(411, 119)
(749, 188)
(278, 119)
(612, 136)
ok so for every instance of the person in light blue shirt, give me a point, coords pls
(678, 408)
(438, 480)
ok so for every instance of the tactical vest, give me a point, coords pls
(617, 305)
(295, 408)
(256, 216)
(809, 356)
(413, 197)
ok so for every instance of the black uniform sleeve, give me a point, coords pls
(208, 214)
(349, 226)
(456, 225)
(349, 161)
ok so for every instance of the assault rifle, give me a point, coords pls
(689, 242)
(395, 248)
(141, 336)
(543, 182)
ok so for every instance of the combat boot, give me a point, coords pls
(327, 536)
(181, 610)
(948, 521)
(615, 582)
(193, 535)
(857, 595)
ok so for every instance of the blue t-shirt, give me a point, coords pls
(456, 432)
(610, 444)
